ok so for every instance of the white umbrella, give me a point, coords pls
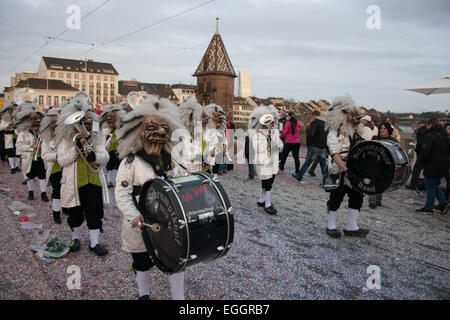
(433, 87)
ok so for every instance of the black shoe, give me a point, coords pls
(443, 209)
(99, 250)
(261, 204)
(271, 210)
(17, 169)
(56, 217)
(357, 233)
(30, 195)
(75, 245)
(13, 170)
(44, 197)
(424, 210)
(372, 205)
(145, 297)
(334, 233)
(379, 204)
(65, 211)
(312, 174)
(295, 177)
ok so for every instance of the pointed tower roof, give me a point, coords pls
(215, 60)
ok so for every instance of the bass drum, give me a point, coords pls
(377, 166)
(187, 220)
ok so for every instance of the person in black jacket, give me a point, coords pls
(317, 138)
(434, 154)
(422, 129)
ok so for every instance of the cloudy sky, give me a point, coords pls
(305, 50)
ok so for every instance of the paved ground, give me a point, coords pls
(287, 256)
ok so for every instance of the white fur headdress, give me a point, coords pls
(128, 135)
(120, 113)
(45, 133)
(21, 118)
(67, 132)
(190, 113)
(336, 115)
(83, 96)
(25, 95)
(6, 116)
(253, 122)
(209, 110)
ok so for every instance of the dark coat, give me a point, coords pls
(316, 136)
(419, 137)
(434, 154)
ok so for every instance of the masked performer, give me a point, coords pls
(341, 120)
(28, 145)
(110, 124)
(144, 146)
(10, 137)
(82, 155)
(49, 154)
(264, 134)
(191, 117)
(214, 142)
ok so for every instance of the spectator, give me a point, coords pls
(385, 133)
(395, 133)
(317, 138)
(365, 128)
(435, 160)
(231, 140)
(420, 132)
(291, 134)
(249, 153)
(375, 128)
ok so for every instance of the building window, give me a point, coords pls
(112, 78)
(63, 98)
(105, 78)
(69, 75)
(61, 75)
(112, 86)
(105, 86)
(99, 78)
(112, 92)
(69, 82)
(75, 76)
(99, 85)
(49, 100)
(52, 74)
(91, 91)
(105, 92)
(105, 100)
(91, 77)
(41, 99)
(112, 100)
(91, 85)
(83, 76)
(76, 84)
(55, 100)
(98, 92)
(98, 99)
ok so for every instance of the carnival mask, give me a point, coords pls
(155, 133)
(35, 120)
(111, 119)
(218, 118)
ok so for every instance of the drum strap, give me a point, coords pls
(154, 161)
(136, 193)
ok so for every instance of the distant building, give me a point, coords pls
(23, 76)
(215, 75)
(97, 79)
(184, 91)
(49, 92)
(244, 84)
(158, 90)
(242, 108)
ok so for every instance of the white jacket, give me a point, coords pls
(337, 145)
(25, 147)
(49, 155)
(8, 137)
(67, 158)
(266, 164)
(132, 174)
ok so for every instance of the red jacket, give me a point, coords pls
(287, 132)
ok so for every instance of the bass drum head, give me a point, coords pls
(372, 166)
(167, 246)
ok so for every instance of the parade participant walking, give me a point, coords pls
(341, 121)
(110, 123)
(49, 154)
(291, 137)
(82, 156)
(418, 167)
(435, 152)
(29, 143)
(385, 133)
(9, 135)
(317, 139)
(145, 147)
(264, 136)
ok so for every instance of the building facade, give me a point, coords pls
(97, 79)
(244, 84)
(157, 90)
(184, 91)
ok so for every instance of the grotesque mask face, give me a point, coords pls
(218, 118)
(352, 117)
(87, 122)
(205, 119)
(53, 123)
(35, 120)
(154, 134)
(111, 119)
(127, 108)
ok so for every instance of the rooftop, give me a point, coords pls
(79, 65)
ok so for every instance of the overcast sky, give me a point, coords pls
(305, 50)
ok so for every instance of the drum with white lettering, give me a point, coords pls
(377, 166)
(188, 220)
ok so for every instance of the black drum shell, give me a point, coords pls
(382, 163)
(198, 237)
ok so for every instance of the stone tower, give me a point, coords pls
(215, 75)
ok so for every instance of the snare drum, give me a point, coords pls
(377, 166)
(188, 220)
